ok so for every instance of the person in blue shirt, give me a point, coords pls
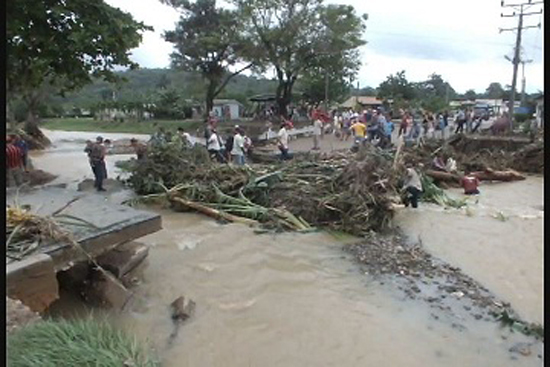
(388, 130)
(24, 147)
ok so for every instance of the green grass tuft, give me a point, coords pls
(69, 343)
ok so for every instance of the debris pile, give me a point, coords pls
(26, 232)
(490, 154)
(350, 193)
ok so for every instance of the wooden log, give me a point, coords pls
(443, 176)
(506, 176)
(213, 212)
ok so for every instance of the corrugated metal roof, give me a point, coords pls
(364, 100)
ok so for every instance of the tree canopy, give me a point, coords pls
(67, 41)
(290, 36)
(207, 39)
(64, 44)
(398, 88)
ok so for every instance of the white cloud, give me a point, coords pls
(456, 39)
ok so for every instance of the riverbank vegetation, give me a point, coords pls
(69, 343)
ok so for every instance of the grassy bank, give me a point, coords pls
(142, 127)
(65, 343)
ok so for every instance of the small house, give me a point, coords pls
(366, 102)
(227, 109)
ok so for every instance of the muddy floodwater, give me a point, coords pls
(299, 300)
(506, 254)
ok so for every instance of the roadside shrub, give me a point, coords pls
(69, 343)
(522, 117)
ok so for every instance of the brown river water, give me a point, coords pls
(299, 300)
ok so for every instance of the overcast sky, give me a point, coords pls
(457, 39)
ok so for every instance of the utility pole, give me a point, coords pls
(516, 60)
(523, 62)
(326, 91)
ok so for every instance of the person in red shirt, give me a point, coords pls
(470, 184)
(14, 163)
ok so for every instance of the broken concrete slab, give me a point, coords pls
(108, 224)
(106, 290)
(123, 258)
(33, 281)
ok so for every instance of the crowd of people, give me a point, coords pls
(370, 127)
(377, 126)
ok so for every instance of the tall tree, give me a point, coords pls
(434, 93)
(470, 95)
(207, 39)
(397, 87)
(495, 91)
(289, 35)
(64, 43)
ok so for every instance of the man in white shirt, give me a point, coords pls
(317, 131)
(215, 146)
(237, 152)
(412, 187)
(282, 141)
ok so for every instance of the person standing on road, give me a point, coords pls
(97, 161)
(460, 121)
(412, 188)
(14, 163)
(388, 130)
(359, 131)
(404, 124)
(317, 132)
(215, 147)
(282, 142)
(237, 152)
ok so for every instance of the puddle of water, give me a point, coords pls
(505, 256)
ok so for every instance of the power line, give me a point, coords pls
(408, 36)
(521, 8)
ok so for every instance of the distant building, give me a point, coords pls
(227, 109)
(497, 106)
(366, 102)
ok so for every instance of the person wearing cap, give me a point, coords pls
(237, 152)
(97, 161)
